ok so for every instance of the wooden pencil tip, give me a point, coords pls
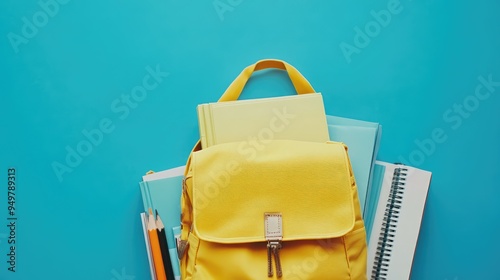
(150, 211)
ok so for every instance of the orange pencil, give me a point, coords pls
(155, 247)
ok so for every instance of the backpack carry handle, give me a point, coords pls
(302, 86)
(233, 92)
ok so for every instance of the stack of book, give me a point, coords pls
(391, 218)
(161, 194)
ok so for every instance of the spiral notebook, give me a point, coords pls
(393, 234)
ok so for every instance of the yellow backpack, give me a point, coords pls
(291, 211)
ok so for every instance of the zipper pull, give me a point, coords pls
(269, 260)
(273, 249)
(276, 252)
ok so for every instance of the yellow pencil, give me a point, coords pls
(155, 247)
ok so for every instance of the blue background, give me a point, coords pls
(82, 58)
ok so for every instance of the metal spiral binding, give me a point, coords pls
(389, 225)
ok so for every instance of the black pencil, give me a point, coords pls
(162, 237)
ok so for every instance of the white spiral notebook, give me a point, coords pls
(394, 230)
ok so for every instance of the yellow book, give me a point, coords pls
(298, 117)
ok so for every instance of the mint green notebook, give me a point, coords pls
(363, 139)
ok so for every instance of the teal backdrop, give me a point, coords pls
(96, 93)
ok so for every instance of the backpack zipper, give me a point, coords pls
(273, 249)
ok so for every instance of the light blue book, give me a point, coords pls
(162, 191)
(363, 140)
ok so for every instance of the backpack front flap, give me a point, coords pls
(235, 185)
